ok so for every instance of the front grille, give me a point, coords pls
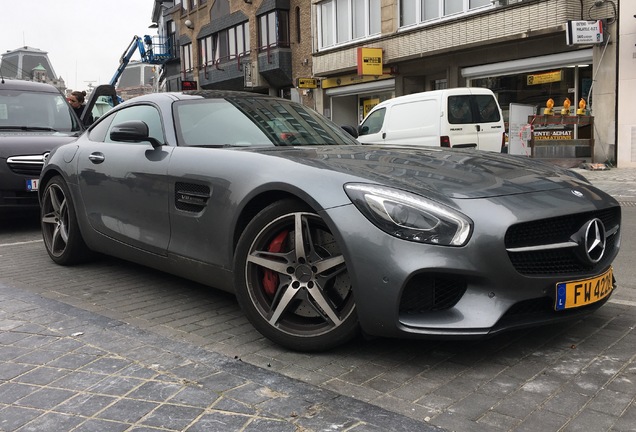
(431, 292)
(30, 166)
(561, 261)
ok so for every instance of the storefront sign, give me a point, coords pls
(346, 80)
(367, 105)
(544, 78)
(584, 32)
(553, 135)
(307, 83)
(188, 85)
(369, 61)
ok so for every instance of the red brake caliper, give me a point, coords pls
(270, 278)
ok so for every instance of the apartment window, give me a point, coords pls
(274, 29)
(417, 11)
(341, 21)
(225, 45)
(298, 27)
(186, 57)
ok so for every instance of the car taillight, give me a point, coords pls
(444, 141)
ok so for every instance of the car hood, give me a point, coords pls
(30, 143)
(457, 174)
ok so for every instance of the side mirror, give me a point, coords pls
(351, 130)
(132, 131)
(363, 130)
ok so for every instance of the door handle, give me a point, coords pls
(96, 157)
(478, 128)
(383, 135)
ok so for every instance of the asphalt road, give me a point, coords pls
(570, 377)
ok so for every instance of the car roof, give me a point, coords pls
(198, 94)
(12, 84)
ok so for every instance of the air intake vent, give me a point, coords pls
(191, 197)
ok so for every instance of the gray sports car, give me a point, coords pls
(321, 237)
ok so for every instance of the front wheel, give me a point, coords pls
(60, 231)
(292, 280)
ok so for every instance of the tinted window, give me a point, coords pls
(28, 109)
(253, 121)
(373, 123)
(459, 109)
(146, 113)
(472, 109)
(487, 108)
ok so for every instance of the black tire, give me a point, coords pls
(62, 237)
(292, 281)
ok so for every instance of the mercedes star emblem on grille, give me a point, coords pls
(594, 240)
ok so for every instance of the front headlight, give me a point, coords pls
(409, 216)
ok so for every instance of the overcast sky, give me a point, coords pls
(84, 39)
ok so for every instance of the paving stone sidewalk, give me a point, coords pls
(66, 369)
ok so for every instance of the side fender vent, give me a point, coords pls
(191, 197)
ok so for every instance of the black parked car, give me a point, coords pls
(34, 119)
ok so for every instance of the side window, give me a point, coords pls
(146, 113)
(459, 110)
(488, 109)
(97, 133)
(373, 123)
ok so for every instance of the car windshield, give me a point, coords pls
(37, 111)
(254, 121)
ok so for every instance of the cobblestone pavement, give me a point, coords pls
(63, 369)
(123, 347)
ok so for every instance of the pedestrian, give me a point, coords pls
(76, 99)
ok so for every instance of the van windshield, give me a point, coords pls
(465, 109)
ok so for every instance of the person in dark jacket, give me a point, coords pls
(76, 99)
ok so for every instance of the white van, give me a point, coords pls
(459, 117)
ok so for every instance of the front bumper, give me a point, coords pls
(406, 289)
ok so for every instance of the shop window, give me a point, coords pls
(439, 84)
(341, 21)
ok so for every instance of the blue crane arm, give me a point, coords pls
(135, 44)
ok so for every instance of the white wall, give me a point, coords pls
(626, 118)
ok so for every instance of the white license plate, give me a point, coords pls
(32, 184)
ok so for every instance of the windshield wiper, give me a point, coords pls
(28, 128)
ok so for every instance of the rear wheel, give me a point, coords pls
(292, 280)
(60, 231)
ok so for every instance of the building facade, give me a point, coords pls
(311, 51)
(31, 64)
(255, 45)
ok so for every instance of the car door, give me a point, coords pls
(371, 129)
(100, 101)
(123, 184)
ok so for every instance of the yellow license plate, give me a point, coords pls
(583, 292)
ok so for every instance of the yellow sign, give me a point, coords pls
(544, 78)
(553, 135)
(307, 83)
(369, 61)
(367, 105)
(346, 80)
